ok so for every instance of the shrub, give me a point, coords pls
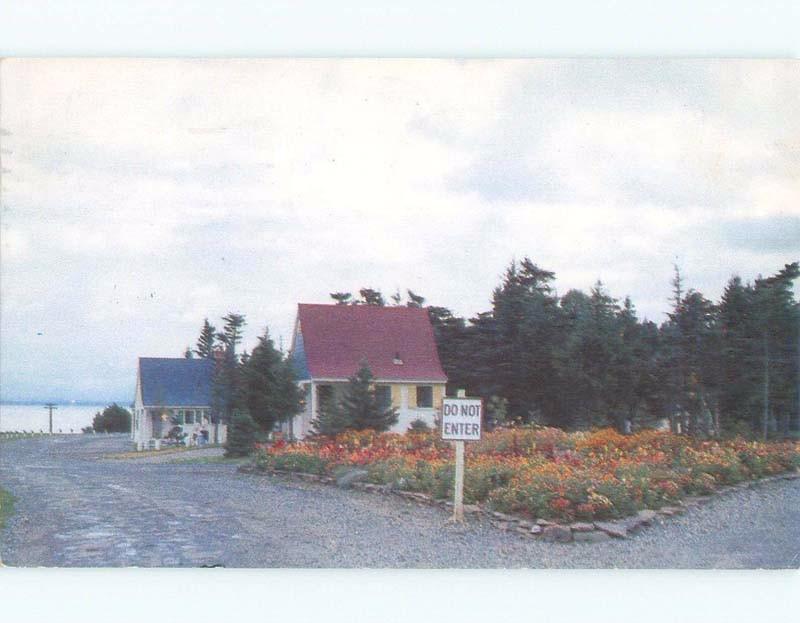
(300, 462)
(419, 426)
(113, 419)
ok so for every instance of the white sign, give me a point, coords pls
(461, 419)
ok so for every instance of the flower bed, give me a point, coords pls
(544, 472)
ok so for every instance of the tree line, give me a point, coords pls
(582, 360)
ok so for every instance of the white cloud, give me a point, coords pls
(142, 196)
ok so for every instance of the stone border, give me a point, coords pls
(544, 529)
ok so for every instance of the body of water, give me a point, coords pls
(67, 418)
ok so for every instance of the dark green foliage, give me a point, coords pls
(584, 360)
(330, 421)
(342, 298)
(6, 506)
(206, 341)
(241, 435)
(357, 410)
(231, 334)
(371, 297)
(419, 426)
(226, 390)
(269, 391)
(113, 419)
(414, 299)
(360, 406)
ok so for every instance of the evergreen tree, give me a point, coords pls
(231, 334)
(342, 298)
(738, 356)
(777, 327)
(691, 334)
(206, 341)
(241, 435)
(269, 391)
(526, 314)
(187, 354)
(357, 410)
(226, 390)
(360, 405)
(371, 297)
(330, 421)
(414, 299)
(396, 298)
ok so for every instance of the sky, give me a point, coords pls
(141, 196)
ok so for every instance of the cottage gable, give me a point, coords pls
(397, 342)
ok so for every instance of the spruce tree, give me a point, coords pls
(342, 298)
(241, 435)
(226, 389)
(357, 410)
(269, 391)
(370, 296)
(360, 405)
(414, 299)
(330, 421)
(206, 341)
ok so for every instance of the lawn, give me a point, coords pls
(6, 506)
(141, 454)
(545, 472)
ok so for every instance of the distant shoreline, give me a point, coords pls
(76, 403)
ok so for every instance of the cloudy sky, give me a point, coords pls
(139, 197)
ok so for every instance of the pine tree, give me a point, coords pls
(414, 299)
(231, 334)
(226, 390)
(360, 405)
(370, 296)
(342, 298)
(526, 314)
(241, 435)
(206, 341)
(269, 391)
(777, 326)
(330, 421)
(739, 360)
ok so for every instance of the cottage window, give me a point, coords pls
(190, 417)
(425, 396)
(383, 396)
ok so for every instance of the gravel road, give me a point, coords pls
(76, 509)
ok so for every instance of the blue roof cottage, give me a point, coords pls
(170, 393)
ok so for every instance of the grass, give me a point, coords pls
(133, 454)
(6, 506)
(205, 460)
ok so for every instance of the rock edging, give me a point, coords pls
(544, 529)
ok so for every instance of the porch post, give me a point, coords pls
(314, 407)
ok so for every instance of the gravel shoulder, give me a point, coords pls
(76, 509)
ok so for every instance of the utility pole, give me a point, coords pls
(50, 406)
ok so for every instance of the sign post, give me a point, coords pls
(461, 421)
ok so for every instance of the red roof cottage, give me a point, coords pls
(330, 341)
